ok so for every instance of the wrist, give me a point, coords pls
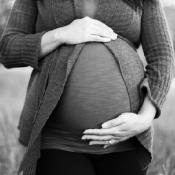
(145, 120)
(147, 112)
(59, 35)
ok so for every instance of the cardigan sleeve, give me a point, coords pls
(158, 50)
(19, 44)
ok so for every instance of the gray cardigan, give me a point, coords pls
(20, 47)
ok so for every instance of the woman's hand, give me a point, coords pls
(78, 31)
(84, 30)
(123, 127)
(119, 129)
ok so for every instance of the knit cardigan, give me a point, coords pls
(20, 47)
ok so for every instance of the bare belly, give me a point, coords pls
(94, 93)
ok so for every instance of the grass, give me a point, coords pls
(12, 90)
(164, 139)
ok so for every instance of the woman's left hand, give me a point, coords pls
(119, 129)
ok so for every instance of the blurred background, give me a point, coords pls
(13, 85)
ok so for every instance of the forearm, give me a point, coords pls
(50, 41)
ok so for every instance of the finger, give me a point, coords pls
(99, 138)
(114, 122)
(96, 30)
(96, 23)
(102, 132)
(121, 139)
(99, 38)
(99, 131)
(99, 28)
(115, 141)
(97, 142)
(101, 24)
(112, 142)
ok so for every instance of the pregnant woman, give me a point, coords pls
(90, 103)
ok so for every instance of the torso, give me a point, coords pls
(89, 7)
(94, 93)
(95, 90)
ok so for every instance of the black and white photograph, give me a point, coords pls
(87, 87)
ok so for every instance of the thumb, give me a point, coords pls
(114, 122)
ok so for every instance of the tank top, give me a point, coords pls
(95, 92)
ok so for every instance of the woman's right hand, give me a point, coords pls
(78, 31)
(84, 30)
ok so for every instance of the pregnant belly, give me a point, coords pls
(94, 93)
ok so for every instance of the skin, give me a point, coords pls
(127, 124)
(122, 127)
(78, 31)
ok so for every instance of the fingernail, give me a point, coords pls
(83, 138)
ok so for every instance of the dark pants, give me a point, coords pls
(58, 162)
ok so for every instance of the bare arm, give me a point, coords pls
(49, 42)
(147, 112)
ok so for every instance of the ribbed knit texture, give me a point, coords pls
(20, 47)
(158, 52)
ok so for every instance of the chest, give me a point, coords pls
(117, 14)
(88, 7)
